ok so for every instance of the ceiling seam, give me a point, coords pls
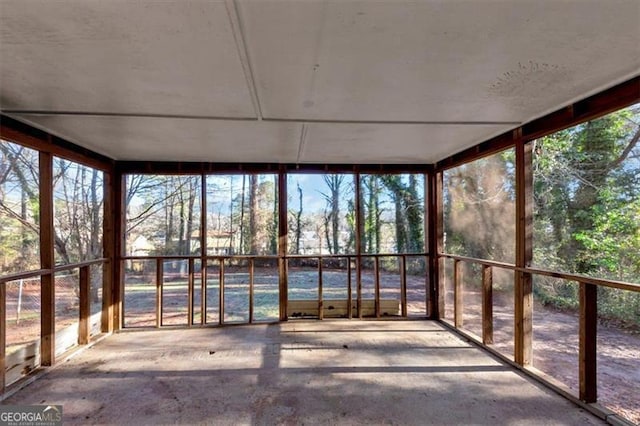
(276, 120)
(243, 52)
(301, 144)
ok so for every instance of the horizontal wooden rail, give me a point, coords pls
(603, 282)
(39, 272)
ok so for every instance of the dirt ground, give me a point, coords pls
(555, 333)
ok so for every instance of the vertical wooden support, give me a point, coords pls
(159, 280)
(487, 305)
(282, 243)
(203, 248)
(84, 326)
(190, 292)
(221, 292)
(119, 209)
(203, 291)
(349, 290)
(457, 293)
(588, 374)
(359, 231)
(3, 336)
(47, 261)
(435, 231)
(320, 297)
(376, 273)
(108, 252)
(523, 328)
(403, 285)
(251, 278)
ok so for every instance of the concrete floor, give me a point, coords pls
(300, 372)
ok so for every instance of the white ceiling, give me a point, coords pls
(304, 81)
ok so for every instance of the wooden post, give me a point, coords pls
(376, 273)
(320, 301)
(108, 252)
(251, 272)
(159, 280)
(203, 249)
(359, 230)
(3, 336)
(119, 209)
(221, 292)
(282, 243)
(47, 261)
(523, 293)
(203, 291)
(84, 326)
(487, 305)
(403, 284)
(190, 291)
(349, 308)
(457, 293)
(436, 233)
(588, 374)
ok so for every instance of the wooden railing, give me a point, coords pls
(47, 313)
(588, 312)
(354, 263)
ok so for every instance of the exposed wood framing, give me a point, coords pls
(251, 278)
(221, 292)
(159, 282)
(320, 296)
(458, 305)
(3, 336)
(190, 291)
(376, 274)
(117, 297)
(487, 305)
(109, 252)
(403, 285)
(435, 234)
(359, 231)
(523, 293)
(587, 362)
(203, 248)
(349, 290)
(283, 285)
(84, 326)
(47, 261)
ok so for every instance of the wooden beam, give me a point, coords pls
(84, 326)
(283, 284)
(159, 280)
(349, 290)
(117, 302)
(358, 242)
(588, 374)
(320, 299)
(403, 285)
(435, 231)
(108, 252)
(3, 337)
(203, 248)
(523, 292)
(190, 292)
(251, 277)
(487, 305)
(376, 274)
(24, 134)
(457, 293)
(221, 292)
(47, 261)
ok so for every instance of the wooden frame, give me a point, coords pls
(587, 361)
(47, 261)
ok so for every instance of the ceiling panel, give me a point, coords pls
(389, 143)
(436, 60)
(141, 57)
(164, 139)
